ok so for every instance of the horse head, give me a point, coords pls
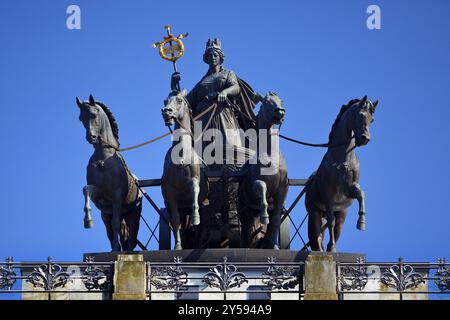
(354, 118)
(175, 107)
(271, 111)
(100, 127)
(362, 119)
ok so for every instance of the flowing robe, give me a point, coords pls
(227, 119)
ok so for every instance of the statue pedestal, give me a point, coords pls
(129, 278)
(248, 274)
(320, 277)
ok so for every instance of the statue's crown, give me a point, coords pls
(214, 44)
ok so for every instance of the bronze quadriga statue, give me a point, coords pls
(213, 201)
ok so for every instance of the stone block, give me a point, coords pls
(129, 277)
(320, 277)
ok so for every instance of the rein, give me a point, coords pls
(236, 108)
(308, 144)
(163, 135)
(316, 145)
(214, 107)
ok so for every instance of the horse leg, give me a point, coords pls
(331, 223)
(260, 188)
(107, 221)
(323, 227)
(177, 235)
(247, 224)
(274, 229)
(195, 192)
(314, 234)
(88, 192)
(116, 221)
(275, 220)
(172, 207)
(340, 219)
(124, 234)
(133, 219)
(357, 193)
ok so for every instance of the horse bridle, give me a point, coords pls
(188, 130)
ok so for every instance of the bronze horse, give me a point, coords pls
(332, 188)
(262, 187)
(110, 185)
(183, 182)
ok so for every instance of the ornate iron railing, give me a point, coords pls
(401, 278)
(229, 280)
(225, 280)
(55, 277)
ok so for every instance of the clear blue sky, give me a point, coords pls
(316, 54)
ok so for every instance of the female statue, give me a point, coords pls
(233, 97)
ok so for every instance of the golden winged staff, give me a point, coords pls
(171, 48)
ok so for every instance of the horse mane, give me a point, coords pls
(112, 120)
(344, 108)
(269, 95)
(269, 98)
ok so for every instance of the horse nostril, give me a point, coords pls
(364, 139)
(279, 113)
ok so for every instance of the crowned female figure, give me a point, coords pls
(232, 97)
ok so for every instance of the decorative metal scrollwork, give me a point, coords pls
(280, 277)
(354, 277)
(442, 276)
(48, 276)
(169, 278)
(95, 277)
(224, 276)
(7, 275)
(401, 277)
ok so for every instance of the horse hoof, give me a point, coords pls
(276, 247)
(195, 220)
(88, 224)
(178, 247)
(361, 225)
(264, 220)
(331, 248)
